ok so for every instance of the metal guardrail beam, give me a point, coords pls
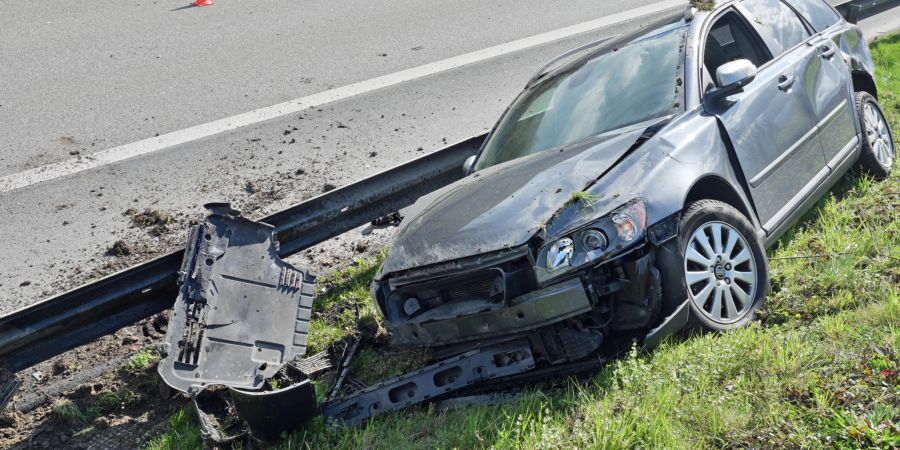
(854, 10)
(68, 320)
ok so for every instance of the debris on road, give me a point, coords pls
(393, 218)
(148, 217)
(120, 248)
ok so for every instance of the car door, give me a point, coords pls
(830, 82)
(771, 123)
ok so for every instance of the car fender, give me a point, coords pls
(666, 167)
(855, 50)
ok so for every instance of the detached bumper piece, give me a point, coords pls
(435, 380)
(672, 324)
(241, 312)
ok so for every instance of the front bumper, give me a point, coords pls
(626, 288)
(533, 310)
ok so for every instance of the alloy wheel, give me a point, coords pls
(878, 135)
(720, 272)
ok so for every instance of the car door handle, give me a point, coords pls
(786, 81)
(827, 51)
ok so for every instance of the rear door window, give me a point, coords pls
(778, 24)
(816, 12)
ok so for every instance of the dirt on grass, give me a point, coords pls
(103, 395)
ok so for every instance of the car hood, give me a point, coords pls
(501, 206)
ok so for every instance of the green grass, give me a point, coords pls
(70, 413)
(586, 200)
(887, 76)
(183, 433)
(821, 369)
(142, 360)
(781, 386)
(341, 295)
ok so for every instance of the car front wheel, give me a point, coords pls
(878, 151)
(718, 264)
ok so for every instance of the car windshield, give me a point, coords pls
(627, 86)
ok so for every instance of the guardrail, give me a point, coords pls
(76, 317)
(53, 326)
(856, 10)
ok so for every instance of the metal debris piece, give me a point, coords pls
(393, 218)
(313, 365)
(211, 428)
(345, 365)
(432, 381)
(353, 385)
(8, 386)
(241, 312)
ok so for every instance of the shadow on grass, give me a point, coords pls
(839, 191)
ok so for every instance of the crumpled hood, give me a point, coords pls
(502, 206)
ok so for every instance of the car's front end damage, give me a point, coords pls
(543, 239)
(568, 294)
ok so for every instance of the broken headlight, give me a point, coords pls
(592, 243)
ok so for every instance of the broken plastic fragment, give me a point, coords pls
(241, 312)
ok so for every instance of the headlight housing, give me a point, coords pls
(595, 242)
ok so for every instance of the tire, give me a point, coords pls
(727, 295)
(877, 148)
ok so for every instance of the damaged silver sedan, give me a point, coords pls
(639, 178)
(628, 193)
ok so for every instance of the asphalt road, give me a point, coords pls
(106, 72)
(79, 78)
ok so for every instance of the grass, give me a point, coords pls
(70, 413)
(821, 369)
(183, 433)
(586, 199)
(341, 296)
(142, 360)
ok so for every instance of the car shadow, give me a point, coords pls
(837, 192)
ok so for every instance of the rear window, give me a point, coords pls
(816, 12)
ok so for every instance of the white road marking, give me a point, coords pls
(146, 146)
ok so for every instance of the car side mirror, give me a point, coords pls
(468, 164)
(732, 77)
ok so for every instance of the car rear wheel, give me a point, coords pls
(718, 264)
(878, 149)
